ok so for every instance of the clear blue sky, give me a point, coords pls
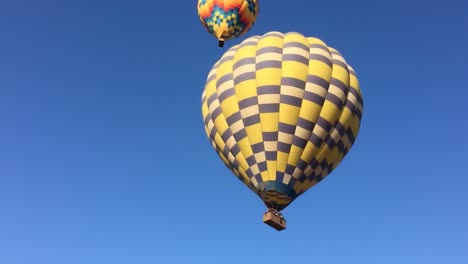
(103, 157)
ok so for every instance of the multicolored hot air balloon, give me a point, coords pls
(282, 111)
(227, 19)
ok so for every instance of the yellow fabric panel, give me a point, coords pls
(347, 115)
(270, 177)
(229, 106)
(269, 122)
(310, 111)
(254, 133)
(243, 163)
(295, 69)
(294, 155)
(329, 112)
(243, 90)
(244, 145)
(270, 41)
(264, 175)
(340, 73)
(268, 76)
(288, 114)
(320, 69)
(281, 161)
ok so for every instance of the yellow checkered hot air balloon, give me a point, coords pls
(281, 111)
(227, 19)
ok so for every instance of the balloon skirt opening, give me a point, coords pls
(221, 43)
(275, 220)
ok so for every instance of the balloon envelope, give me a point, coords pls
(281, 111)
(227, 19)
